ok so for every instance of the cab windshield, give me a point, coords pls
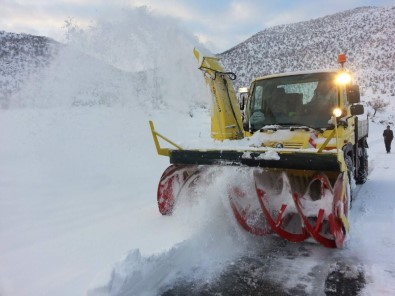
(302, 100)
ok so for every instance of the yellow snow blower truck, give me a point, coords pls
(302, 139)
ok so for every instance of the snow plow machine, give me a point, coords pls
(304, 147)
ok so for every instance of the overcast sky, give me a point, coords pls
(220, 24)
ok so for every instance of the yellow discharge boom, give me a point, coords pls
(306, 149)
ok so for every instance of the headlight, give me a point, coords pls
(337, 112)
(343, 78)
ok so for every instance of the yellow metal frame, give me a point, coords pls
(327, 141)
(160, 150)
(226, 119)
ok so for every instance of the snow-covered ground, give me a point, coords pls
(78, 194)
(78, 210)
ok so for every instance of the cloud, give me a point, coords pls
(243, 12)
(174, 8)
(47, 17)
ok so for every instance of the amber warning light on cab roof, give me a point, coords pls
(341, 59)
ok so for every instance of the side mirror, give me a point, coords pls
(242, 103)
(353, 95)
(243, 93)
(356, 109)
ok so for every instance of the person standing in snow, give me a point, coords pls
(388, 136)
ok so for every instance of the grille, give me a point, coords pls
(293, 145)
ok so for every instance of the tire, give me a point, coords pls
(350, 174)
(363, 169)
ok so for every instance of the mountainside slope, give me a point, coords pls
(33, 69)
(131, 58)
(39, 72)
(22, 55)
(366, 35)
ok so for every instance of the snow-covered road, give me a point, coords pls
(78, 203)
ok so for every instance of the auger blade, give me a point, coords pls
(295, 205)
(170, 185)
(324, 210)
(341, 202)
(247, 215)
(279, 226)
(277, 206)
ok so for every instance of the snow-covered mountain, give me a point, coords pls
(21, 56)
(108, 64)
(40, 72)
(366, 35)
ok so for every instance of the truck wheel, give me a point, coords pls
(350, 174)
(362, 173)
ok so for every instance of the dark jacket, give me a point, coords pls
(388, 135)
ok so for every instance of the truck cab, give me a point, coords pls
(304, 99)
(301, 110)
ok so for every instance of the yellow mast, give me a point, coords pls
(226, 122)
